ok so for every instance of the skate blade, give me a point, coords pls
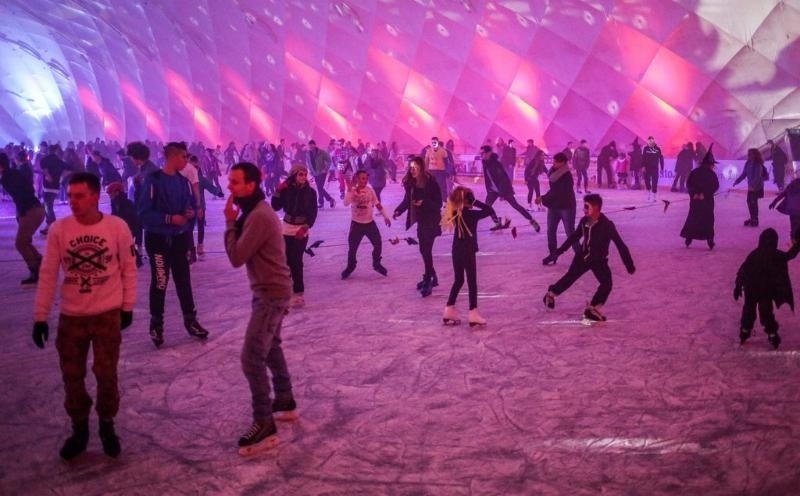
(477, 324)
(451, 322)
(285, 416)
(265, 445)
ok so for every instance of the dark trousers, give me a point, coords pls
(201, 230)
(752, 203)
(357, 233)
(75, 336)
(27, 225)
(322, 195)
(533, 187)
(636, 178)
(554, 216)
(49, 211)
(577, 268)
(491, 197)
(582, 174)
(441, 180)
(464, 263)
(295, 247)
(609, 175)
(426, 239)
(169, 254)
(651, 180)
(378, 190)
(765, 312)
(680, 181)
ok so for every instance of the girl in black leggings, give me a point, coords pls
(423, 201)
(463, 220)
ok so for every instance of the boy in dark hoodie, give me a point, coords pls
(764, 276)
(597, 232)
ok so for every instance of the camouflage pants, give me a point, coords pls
(75, 336)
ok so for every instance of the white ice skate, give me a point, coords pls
(450, 317)
(475, 318)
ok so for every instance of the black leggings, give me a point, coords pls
(533, 187)
(765, 311)
(357, 232)
(752, 203)
(294, 258)
(426, 238)
(491, 197)
(578, 267)
(464, 262)
(169, 254)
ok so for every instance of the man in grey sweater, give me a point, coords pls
(253, 237)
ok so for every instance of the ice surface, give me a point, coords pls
(659, 399)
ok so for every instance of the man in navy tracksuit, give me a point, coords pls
(652, 160)
(597, 232)
(167, 209)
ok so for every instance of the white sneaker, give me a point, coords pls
(450, 316)
(475, 318)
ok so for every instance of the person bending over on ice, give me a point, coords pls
(764, 276)
(461, 218)
(363, 199)
(596, 231)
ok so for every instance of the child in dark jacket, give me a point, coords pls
(597, 232)
(764, 276)
(460, 217)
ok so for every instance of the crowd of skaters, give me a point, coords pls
(158, 191)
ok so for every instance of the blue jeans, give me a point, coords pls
(261, 351)
(554, 216)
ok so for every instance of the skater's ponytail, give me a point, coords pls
(459, 199)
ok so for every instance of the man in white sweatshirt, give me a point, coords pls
(98, 291)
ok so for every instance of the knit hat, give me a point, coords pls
(297, 167)
(115, 187)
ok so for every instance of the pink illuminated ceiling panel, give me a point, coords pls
(342, 71)
(437, 65)
(674, 80)
(654, 18)
(369, 124)
(390, 72)
(506, 28)
(519, 119)
(645, 114)
(625, 49)
(424, 93)
(479, 93)
(539, 89)
(582, 118)
(593, 84)
(622, 136)
(384, 102)
(556, 56)
(465, 124)
(397, 40)
(417, 122)
(332, 123)
(555, 137)
(494, 62)
(301, 74)
(337, 97)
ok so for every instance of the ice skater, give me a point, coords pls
(788, 202)
(253, 237)
(755, 173)
(423, 201)
(461, 218)
(702, 184)
(597, 232)
(498, 185)
(363, 199)
(560, 202)
(764, 277)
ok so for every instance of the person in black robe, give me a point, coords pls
(779, 161)
(702, 184)
(764, 276)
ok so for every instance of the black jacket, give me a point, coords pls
(561, 195)
(126, 210)
(465, 237)
(20, 190)
(429, 214)
(652, 158)
(764, 275)
(299, 203)
(495, 177)
(596, 238)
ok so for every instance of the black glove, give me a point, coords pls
(737, 292)
(126, 319)
(41, 331)
(631, 269)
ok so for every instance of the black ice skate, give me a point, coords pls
(109, 438)
(76, 443)
(347, 271)
(504, 224)
(744, 335)
(536, 226)
(774, 340)
(284, 410)
(380, 269)
(157, 334)
(194, 329)
(434, 282)
(549, 300)
(592, 312)
(260, 437)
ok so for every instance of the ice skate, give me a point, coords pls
(592, 312)
(450, 317)
(536, 226)
(109, 438)
(475, 318)
(427, 288)
(434, 282)
(744, 335)
(774, 340)
(157, 334)
(261, 437)
(194, 329)
(347, 271)
(285, 410)
(380, 269)
(549, 300)
(76, 443)
(504, 224)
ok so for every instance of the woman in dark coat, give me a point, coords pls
(423, 201)
(702, 184)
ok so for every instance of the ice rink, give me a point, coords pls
(659, 399)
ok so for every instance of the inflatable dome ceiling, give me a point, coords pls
(722, 71)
